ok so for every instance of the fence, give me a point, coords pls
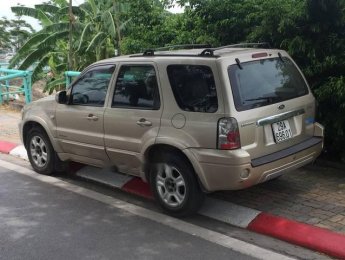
(7, 91)
(69, 77)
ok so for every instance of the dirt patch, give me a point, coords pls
(38, 90)
(37, 93)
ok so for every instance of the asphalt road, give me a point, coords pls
(49, 218)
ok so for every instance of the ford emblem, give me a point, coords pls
(282, 106)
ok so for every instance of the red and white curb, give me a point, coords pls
(13, 149)
(312, 237)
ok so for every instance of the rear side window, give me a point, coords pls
(136, 87)
(193, 87)
(264, 82)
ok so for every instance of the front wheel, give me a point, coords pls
(175, 186)
(41, 153)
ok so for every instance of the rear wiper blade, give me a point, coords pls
(269, 98)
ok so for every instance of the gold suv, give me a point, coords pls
(187, 121)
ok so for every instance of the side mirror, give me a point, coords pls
(61, 97)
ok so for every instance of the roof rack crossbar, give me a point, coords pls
(183, 46)
(207, 52)
(210, 51)
(173, 55)
(149, 53)
(243, 45)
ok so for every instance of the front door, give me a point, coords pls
(80, 123)
(133, 119)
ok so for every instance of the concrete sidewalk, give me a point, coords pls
(9, 120)
(312, 195)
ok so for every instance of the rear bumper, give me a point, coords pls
(233, 170)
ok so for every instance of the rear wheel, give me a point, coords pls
(175, 186)
(41, 153)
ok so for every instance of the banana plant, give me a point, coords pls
(44, 45)
(101, 33)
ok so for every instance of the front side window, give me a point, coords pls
(264, 82)
(194, 87)
(136, 87)
(91, 88)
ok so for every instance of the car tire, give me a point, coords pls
(41, 153)
(175, 186)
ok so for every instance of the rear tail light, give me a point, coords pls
(228, 134)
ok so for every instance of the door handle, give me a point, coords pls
(92, 117)
(144, 122)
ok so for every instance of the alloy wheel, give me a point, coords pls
(171, 185)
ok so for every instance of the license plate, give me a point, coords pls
(281, 131)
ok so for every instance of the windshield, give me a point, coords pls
(264, 82)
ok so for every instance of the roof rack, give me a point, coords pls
(207, 52)
(183, 46)
(210, 51)
(244, 45)
(151, 52)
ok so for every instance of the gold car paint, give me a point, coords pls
(258, 140)
(42, 112)
(124, 139)
(126, 143)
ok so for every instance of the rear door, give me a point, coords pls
(272, 103)
(133, 118)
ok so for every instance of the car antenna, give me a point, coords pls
(280, 56)
(239, 63)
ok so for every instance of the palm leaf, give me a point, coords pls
(109, 23)
(52, 39)
(32, 12)
(48, 8)
(125, 24)
(76, 10)
(32, 42)
(56, 27)
(39, 68)
(51, 86)
(33, 57)
(82, 38)
(96, 41)
(36, 38)
(60, 3)
(93, 6)
(87, 11)
(61, 67)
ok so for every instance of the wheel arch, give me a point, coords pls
(154, 152)
(33, 123)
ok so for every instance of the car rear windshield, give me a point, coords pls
(264, 82)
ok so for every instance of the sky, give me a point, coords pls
(5, 9)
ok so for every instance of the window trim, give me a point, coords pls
(121, 65)
(80, 77)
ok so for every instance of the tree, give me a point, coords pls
(13, 33)
(5, 39)
(101, 33)
(47, 46)
(94, 37)
(312, 31)
(19, 32)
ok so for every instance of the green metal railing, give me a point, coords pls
(6, 90)
(4, 65)
(69, 77)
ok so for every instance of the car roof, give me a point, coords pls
(184, 53)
